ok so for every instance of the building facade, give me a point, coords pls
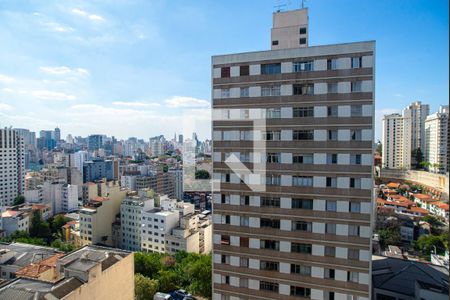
(303, 228)
(396, 141)
(418, 113)
(436, 140)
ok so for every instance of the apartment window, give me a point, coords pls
(225, 93)
(245, 200)
(274, 43)
(329, 273)
(273, 113)
(355, 207)
(244, 157)
(269, 265)
(272, 223)
(331, 182)
(330, 251)
(273, 180)
(356, 135)
(303, 112)
(353, 276)
(303, 89)
(244, 70)
(268, 286)
(353, 230)
(330, 228)
(302, 41)
(332, 135)
(332, 88)
(356, 86)
(225, 259)
(301, 248)
(331, 64)
(332, 111)
(303, 158)
(246, 135)
(332, 159)
(355, 183)
(355, 159)
(271, 90)
(227, 219)
(301, 270)
(353, 254)
(331, 205)
(302, 135)
(244, 242)
(270, 201)
(273, 158)
(271, 135)
(356, 62)
(302, 181)
(271, 68)
(245, 91)
(226, 177)
(302, 226)
(244, 221)
(270, 244)
(225, 199)
(356, 110)
(302, 203)
(225, 240)
(298, 291)
(303, 66)
(243, 262)
(302, 30)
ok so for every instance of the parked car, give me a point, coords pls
(162, 296)
(181, 295)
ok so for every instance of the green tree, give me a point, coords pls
(417, 156)
(389, 236)
(39, 228)
(57, 222)
(428, 243)
(144, 287)
(200, 273)
(168, 280)
(202, 174)
(147, 264)
(432, 220)
(19, 200)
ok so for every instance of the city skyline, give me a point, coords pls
(83, 67)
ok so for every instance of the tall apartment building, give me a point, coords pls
(98, 169)
(418, 113)
(12, 166)
(396, 141)
(304, 229)
(436, 140)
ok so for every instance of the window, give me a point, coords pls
(244, 242)
(302, 158)
(227, 219)
(244, 70)
(329, 273)
(302, 181)
(246, 135)
(332, 159)
(299, 135)
(332, 111)
(331, 205)
(332, 88)
(355, 207)
(226, 177)
(225, 72)
(268, 286)
(244, 221)
(243, 262)
(353, 276)
(273, 157)
(225, 199)
(332, 135)
(353, 254)
(225, 240)
(272, 223)
(302, 226)
(270, 201)
(225, 93)
(271, 135)
(356, 135)
(353, 230)
(303, 66)
(244, 157)
(355, 159)
(331, 64)
(301, 248)
(302, 203)
(300, 291)
(225, 259)
(269, 265)
(245, 91)
(356, 110)
(330, 251)
(303, 112)
(271, 90)
(356, 86)
(274, 43)
(330, 228)
(302, 30)
(355, 183)
(270, 244)
(273, 113)
(273, 180)
(331, 182)
(302, 41)
(356, 62)
(303, 89)
(271, 68)
(245, 200)
(301, 270)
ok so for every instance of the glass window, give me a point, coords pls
(353, 230)
(355, 159)
(303, 112)
(244, 70)
(356, 110)
(274, 43)
(301, 270)
(331, 182)
(302, 30)
(273, 180)
(270, 201)
(272, 223)
(356, 62)
(332, 135)
(302, 226)
(355, 207)
(225, 72)
(330, 228)
(331, 205)
(303, 135)
(303, 66)
(332, 111)
(356, 134)
(300, 291)
(356, 86)
(332, 88)
(302, 203)
(331, 64)
(302, 181)
(330, 251)
(302, 41)
(270, 244)
(303, 89)
(273, 113)
(353, 254)
(332, 158)
(302, 158)
(301, 248)
(245, 91)
(271, 90)
(225, 93)
(271, 68)
(271, 135)
(273, 158)
(269, 265)
(268, 286)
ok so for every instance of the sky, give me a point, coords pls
(143, 68)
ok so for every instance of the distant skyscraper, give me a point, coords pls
(436, 140)
(396, 142)
(95, 142)
(180, 139)
(417, 113)
(46, 140)
(57, 134)
(98, 169)
(12, 166)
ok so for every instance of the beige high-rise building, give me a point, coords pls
(436, 140)
(396, 141)
(417, 113)
(301, 226)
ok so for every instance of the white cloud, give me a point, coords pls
(6, 79)
(63, 70)
(136, 104)
(85, 14)
(179, 101)
(51, 95)
(4, 106)
(7, 90)
(54, 26)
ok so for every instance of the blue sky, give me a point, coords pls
(138, 67)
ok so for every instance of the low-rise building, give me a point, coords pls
(156, 225)
(439, 209)
(14, 220)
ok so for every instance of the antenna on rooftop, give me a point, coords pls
(280, 4)
(303, 4)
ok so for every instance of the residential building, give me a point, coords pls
(417, 113)
(156, 225)
(436, 140)
(396, 141)
(91, 272)
(95, 142)
(301, 227)
(177, 182)
(14, 220)
(12, 166)
(98, 169)
(61, 197)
